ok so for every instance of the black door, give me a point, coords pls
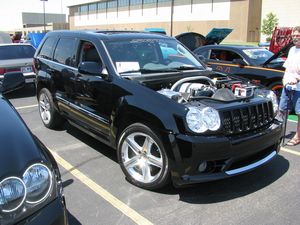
(93, 94)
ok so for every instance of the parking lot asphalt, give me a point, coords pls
(97, 192)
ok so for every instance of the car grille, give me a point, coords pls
(247, 118)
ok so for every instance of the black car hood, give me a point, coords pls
(282, 51)
(18, 148)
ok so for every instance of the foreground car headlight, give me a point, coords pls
(38, 182)
(269, 95)
(200, 120)
(22, 196)
(12, 194)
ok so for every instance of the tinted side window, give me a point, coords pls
(203, 53)
(47, 48)
(65, 52)
(224, 55)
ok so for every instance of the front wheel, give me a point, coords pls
(142, 157)
(277, 88)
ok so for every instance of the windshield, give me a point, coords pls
(260, 55)
(16, 52)
(150, 56)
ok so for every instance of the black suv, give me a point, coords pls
(150, 98)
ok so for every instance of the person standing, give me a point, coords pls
(292, 77)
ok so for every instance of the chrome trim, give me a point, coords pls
(24, 197)
(82, 110)
(59, 64)
(50, 186)
(251, 166)
(109, 57)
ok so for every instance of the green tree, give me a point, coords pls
(269, 23)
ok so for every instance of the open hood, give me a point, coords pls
(281, 52)
(194, 40)
(217, 35)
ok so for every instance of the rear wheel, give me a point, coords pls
(142, 157)
(48, 113)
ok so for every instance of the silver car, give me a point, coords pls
(17, 57)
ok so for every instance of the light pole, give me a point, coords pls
(44, 14)
(172, 12)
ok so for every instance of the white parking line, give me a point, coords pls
(293, 121)
(26, 107)
(126, 210)
(290, 151)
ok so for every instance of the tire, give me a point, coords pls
(50, 117)
(276, 87)
(144, 163)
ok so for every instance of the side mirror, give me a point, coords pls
(239, 62)
(91, 68)
(12, 81)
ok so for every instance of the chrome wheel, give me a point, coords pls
(142, 158)
(44, 107)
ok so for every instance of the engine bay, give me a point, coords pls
(221, 88)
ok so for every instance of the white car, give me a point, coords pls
(17, 57)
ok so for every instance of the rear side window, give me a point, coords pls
(203, 53)
(16, 52)
(65, 52)
(47, 48)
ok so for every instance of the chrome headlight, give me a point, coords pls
(38, 181)
(12, 194)
(22, 196)
(269, 95)
(200, 120)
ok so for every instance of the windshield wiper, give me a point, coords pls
(187, 68)
(150, 71)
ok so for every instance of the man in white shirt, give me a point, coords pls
(291, 78)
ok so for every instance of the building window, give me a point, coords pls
(84, 9)
(112, 4)
(123, 3)
(92, 7)
(136, 2)
(101, 5)
(164, 0)
(149, 1)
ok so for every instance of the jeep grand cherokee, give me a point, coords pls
(152, 100)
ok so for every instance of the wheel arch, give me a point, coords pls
(128, 115)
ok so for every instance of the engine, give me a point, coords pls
(198, 87)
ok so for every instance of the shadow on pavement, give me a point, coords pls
(210, 192)
(235, 187)
(27, 91)
(73, 220)
(92, 142)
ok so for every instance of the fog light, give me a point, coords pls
(202, 167)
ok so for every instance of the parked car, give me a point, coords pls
(250, 62)
(149, 98)
(254, 63)
(31, 189)
(17, 57)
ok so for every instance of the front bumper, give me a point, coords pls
(54, 213)
(223, 156)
